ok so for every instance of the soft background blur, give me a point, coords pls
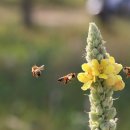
(53, 33)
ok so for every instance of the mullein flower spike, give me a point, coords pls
(101, 77)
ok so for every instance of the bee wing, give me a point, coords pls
(61, 79)
(42, 67)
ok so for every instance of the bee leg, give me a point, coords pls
(66, 81)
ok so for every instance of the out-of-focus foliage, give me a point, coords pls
(39, 103)
(63, 3)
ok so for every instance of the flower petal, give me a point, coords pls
(95, 71)
(86, 86)
(86, 67)
(109, 69)
(111, 60)
(89, 76)
(119, 85)
(94, 79)
(103, 76)
(118, 77)
(110, 81)
(95, 63)
(118, 68)
(104, 62)
(82, 77)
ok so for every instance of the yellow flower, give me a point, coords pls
(86, 77)
(103, 69)
(115, 82)
(86, 67)
(86, 86)
(106, 69)
(117, 67)
(119, 84)
(111, 59)
(110, 81)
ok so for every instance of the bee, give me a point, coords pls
(126, 70)
(36, 71)
(65, 79)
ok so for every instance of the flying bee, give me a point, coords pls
(126, 70)
(36, 71)
(65, 79)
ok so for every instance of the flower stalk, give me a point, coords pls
(101, 77)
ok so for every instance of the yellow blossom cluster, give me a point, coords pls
(106, 69)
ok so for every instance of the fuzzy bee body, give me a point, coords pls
(126, 70)
(36, 71)
(65, 79)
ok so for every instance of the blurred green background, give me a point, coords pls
(53, 33)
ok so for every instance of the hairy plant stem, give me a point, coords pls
(102, 113)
